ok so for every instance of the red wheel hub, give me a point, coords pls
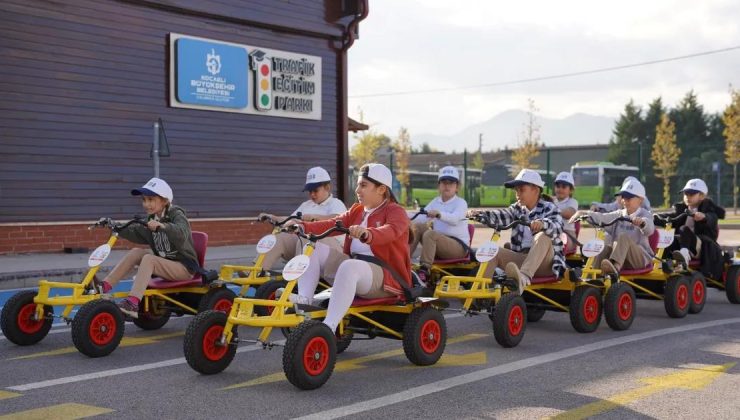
(212, 350)
(26, 323)
(431, 334)
(591, 309)
(316, 356)
(223, 305)
(624, 306)
(682, 296)
(698, 292)
(516, 320)
(102, 328)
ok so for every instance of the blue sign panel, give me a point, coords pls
(211, 73)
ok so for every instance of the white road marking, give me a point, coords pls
(444, 384)
(115, 372)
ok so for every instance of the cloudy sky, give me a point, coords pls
(410, 45)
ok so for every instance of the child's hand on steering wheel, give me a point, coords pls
(536, 226)
(153, 225)
(358, 232)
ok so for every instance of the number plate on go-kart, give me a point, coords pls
(296, 267)
(665, 239)
(592, 248)
(266, 244)
(99, 255)
(486, 252)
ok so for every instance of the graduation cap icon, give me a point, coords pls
(257, 56)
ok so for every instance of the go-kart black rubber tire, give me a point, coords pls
(98, 328)
(344, 341)
(585, 309)
(732, 284)
(217, 299)
(306, 372)
(267, 291)
(21, 305)
(620, 306)
(201, 352)
(150, 320)
(535, 314)
(424, 336)
(677, 296)
(698, 290)
(509, 320)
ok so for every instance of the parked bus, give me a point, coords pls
(599, 181)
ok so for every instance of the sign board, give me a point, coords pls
(213, 75)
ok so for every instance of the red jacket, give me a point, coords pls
(389, 226)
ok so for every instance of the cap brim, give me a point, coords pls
(515, 182)
(144, 191)
(563, 182)
(313, 185)
(448, 178)
(625, 194)
(690, 191)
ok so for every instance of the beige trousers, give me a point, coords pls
(624, 253)
(536, 263)
(149, 264)
(434, 245)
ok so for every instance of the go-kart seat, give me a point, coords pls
(200, 242)
(466, 258)
(638, 271)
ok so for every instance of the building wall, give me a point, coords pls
(84, 80)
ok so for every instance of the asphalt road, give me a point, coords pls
(660, 368)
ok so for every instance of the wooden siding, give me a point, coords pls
(82, 83)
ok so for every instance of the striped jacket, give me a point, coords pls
(545, 211)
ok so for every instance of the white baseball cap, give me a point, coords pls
(632, 188)
(565, 177)
(153, 187)
(379, 173)
(449, 173)
(315, 177)
(525, 176)
(694, 186)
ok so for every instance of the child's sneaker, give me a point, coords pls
(101, 286)
(129, 308)
(607, 267)
(512, 271)
(424, 276)
(682, 256)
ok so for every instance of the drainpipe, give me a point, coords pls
(343, 187)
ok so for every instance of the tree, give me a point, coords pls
(731, 118)
(402, 150)
(424, 148)
(628, 129)
(366, 148)
(529, 143)
(665, 155)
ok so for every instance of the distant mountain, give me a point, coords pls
(505, 129)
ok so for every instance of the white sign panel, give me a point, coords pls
(266, 244)
(99, 255)
(593, 248)
(222, 76)
(296, 267)
(486, 252)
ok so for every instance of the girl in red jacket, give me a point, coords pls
(378, 230)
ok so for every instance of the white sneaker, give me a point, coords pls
(512, 271)
(300, 300)
(682, 256)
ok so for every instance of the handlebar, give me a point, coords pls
(266, 218)
(592, 222)
(117, 227)
(668, 219)
(480, 218)
(419, 213)
(338, 227)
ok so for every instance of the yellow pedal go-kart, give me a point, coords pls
(729, 282)
(311, 349)
(98, 325)
(681, 292)
(254, 276)
(452, 266)
(584, 292)
(498, 297)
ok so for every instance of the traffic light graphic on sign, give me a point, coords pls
(261, 65)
